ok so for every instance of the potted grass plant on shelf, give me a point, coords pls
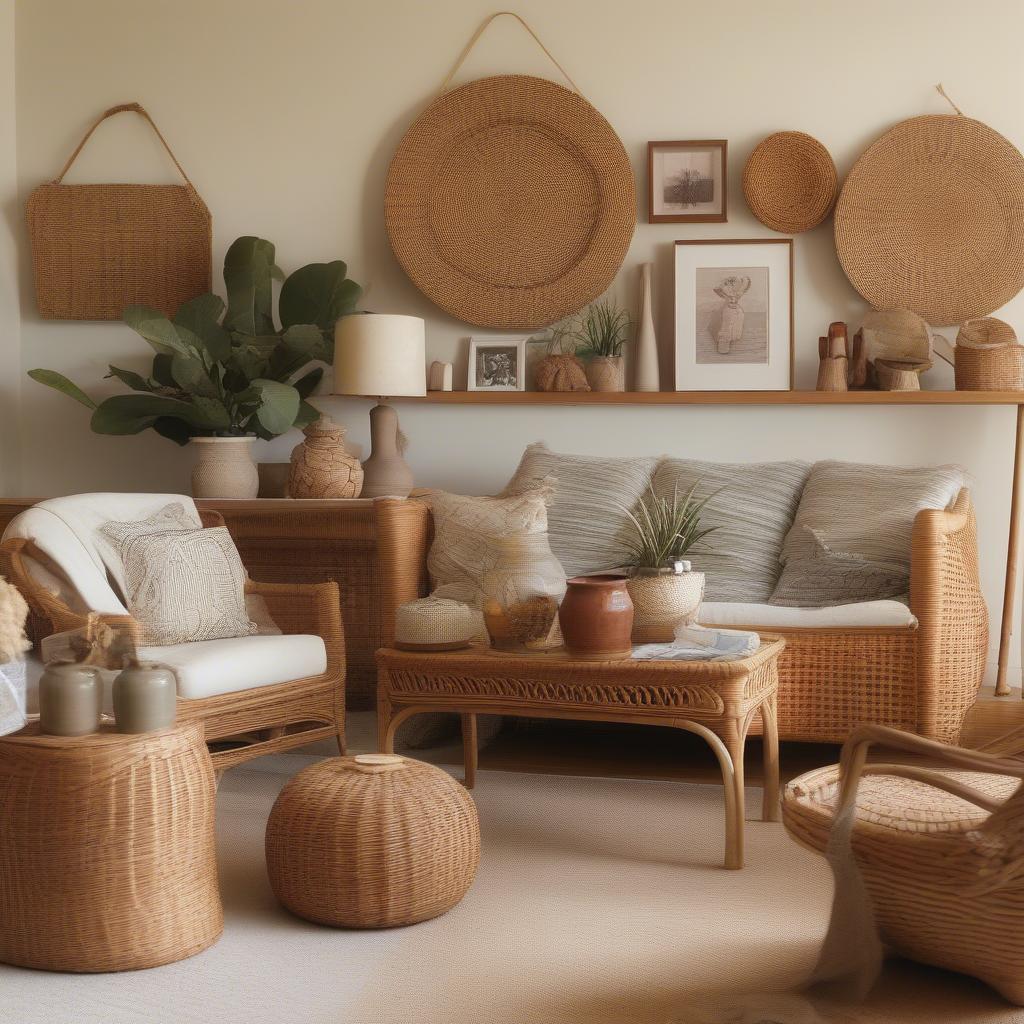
(663, 589)
(224, 373)
(601, 335)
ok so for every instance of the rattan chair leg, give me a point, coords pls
(470, 749)
(770, 808)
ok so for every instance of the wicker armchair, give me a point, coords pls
(921, 678)
(941, 851)
(240, 724)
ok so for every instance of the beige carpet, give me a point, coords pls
(597, 901)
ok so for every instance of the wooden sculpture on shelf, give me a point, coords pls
(322, 467)
(832, 351)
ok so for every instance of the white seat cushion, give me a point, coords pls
(212, 667)
(865, 614)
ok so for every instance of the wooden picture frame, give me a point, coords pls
(712, 278)
(511, 349)
(707, 158)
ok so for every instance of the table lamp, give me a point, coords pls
(377, 355)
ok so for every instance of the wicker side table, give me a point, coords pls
(107, 858)
(716, 700)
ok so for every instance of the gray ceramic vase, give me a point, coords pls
(145, 698)
(70, 700)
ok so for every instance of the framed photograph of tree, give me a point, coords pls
(687, 182)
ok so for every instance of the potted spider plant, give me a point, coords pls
(601, 335)
(663, 589)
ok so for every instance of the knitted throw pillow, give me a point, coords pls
(186, 585)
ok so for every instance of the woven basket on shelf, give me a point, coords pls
(931, 218)
(988, 357)
(372, 841)
(99, 248)
(107, 859)
(510, 202)
(790, 182)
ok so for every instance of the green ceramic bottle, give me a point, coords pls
(70, 699)
(145, 698)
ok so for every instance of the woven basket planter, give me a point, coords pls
(660, 603)
(988, 357)
(606, 373)
(372, 841)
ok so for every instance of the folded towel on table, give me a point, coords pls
(699, 643)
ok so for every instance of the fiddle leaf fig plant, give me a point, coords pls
(225, 369)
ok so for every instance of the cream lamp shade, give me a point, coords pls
(380, 354)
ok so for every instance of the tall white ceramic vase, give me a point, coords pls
(647, 376)
(224, 468)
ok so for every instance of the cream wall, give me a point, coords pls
(285, 116)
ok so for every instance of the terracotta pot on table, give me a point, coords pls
(596, 617)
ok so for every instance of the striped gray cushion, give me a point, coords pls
(751, 513)
(866, 511)
(587, 522)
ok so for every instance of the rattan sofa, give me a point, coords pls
(921, 677)
(242, 721)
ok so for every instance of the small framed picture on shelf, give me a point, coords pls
(687, 182)
(734, 314)
(497, 363)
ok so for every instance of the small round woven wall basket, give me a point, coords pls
(790, 182)
(931, 218)
(510, 202)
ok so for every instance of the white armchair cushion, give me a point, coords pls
(213, 667)
(67, 531)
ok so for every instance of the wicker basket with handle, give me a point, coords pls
(988, 357)
(99, 248)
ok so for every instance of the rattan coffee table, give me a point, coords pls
(717, 700)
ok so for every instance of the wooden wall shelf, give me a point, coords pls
(721, 398)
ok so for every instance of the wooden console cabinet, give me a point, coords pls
(286, 541)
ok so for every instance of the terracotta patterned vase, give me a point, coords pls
(596, 617)
(224, 468)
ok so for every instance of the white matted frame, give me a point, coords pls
(734, 314)
(497, 362)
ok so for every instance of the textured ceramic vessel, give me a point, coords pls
(662, 600)
(70, 700)
(322, 466)
(145, 698)
(224, 468)
(647, 375)
(606, 373)
(596, 617)
(560, 373)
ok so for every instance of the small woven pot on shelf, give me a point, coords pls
(606, 373)
(662, 599)
(560, 373)
(988, 357)
(372, 841)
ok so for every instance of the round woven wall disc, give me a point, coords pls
(510, 202)
(790, 182)
(931, 218)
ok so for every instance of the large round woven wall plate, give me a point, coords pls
(790, 182)
(931, 218)
(510, 202)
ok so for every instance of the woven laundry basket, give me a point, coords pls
(931, 218)
(988, 357)
(372, 841)
(99, 248)
(510, 202)
(790, 182)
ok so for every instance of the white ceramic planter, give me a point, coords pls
(224, 468)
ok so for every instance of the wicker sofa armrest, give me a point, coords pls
(404, 529)
(311, 608)
(946, 598)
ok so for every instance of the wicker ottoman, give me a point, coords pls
(107, 858)
(372, 841)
